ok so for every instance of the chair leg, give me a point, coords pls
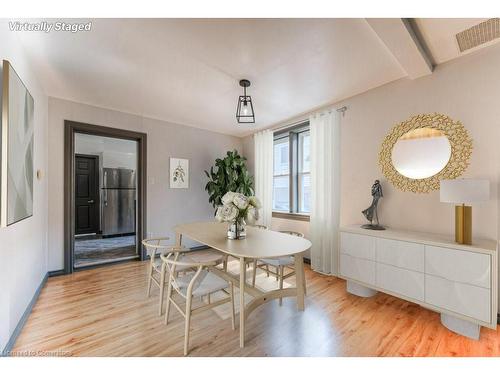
(188, 322)
(267, 269)
(169, 296)
(233, 315)
(254, 274)
(150, 275)
(162, 287)
(208, 298)
(277, 273)
(281, 272)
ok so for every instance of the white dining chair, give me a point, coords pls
(280, 265)
(200, 283)
(155, 247)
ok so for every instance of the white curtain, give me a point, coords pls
(264, 174)
(325, 194)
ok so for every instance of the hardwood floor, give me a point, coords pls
(104, 312)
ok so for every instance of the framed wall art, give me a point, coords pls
(16, 186)
(179, 173)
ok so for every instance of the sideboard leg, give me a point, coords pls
(460, 326)
(359, 290)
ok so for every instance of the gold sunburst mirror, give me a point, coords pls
(421, 151)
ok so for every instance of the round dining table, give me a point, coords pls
(258, 244)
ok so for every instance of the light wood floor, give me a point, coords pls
(104, 312)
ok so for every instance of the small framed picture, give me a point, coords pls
(179, 173)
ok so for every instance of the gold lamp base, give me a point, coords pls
(463, 224)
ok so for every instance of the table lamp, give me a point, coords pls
(464, 191)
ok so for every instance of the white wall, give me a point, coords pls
(466, 89)
(23, 246)
(165, 207)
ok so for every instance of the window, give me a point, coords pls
(292, 180)
(281, 181)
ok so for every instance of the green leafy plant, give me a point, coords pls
(228, 174)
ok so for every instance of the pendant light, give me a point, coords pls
(244, 111)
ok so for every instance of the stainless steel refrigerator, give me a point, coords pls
(118, 201)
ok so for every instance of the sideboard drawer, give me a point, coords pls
(469, 300)
(401, 254)
(403, 282)
(357, 269)
(357, 245)
(457, 265)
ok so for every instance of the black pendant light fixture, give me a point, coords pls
(244, 111)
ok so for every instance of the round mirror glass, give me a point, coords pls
(421, 153)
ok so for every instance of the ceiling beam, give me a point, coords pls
(401, 40)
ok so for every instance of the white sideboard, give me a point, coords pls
(458, 281)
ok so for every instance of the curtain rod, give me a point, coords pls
(341, 110)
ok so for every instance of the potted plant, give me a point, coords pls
(237, 210)
(229, 174)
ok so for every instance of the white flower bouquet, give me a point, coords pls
(238, 210)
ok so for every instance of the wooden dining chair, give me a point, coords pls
(280, 265)
(249, 261)
(200, 283)
(154, 248)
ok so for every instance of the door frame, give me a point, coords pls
(97, 195)
(70, 129)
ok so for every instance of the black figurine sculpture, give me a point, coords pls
(371, 212)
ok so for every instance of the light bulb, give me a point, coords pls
(245, 110)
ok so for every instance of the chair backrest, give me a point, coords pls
(293, 233)
(154, 245)
(178, 258)
(260, 226)
(158, 245)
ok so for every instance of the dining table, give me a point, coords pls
(258, 244)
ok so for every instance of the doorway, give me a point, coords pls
(105, 195)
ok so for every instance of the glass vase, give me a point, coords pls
(236, 230)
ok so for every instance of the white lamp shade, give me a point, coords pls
(465, 190)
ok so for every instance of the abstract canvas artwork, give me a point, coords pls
(17, 148)
(179, 173)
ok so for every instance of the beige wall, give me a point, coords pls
(165, 207)
(466, 89)
(23, 246)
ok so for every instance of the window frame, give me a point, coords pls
(293, 149)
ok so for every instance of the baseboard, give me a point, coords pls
(10, 344)
(56, 273)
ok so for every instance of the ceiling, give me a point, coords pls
(187, 70)
(439, 36)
